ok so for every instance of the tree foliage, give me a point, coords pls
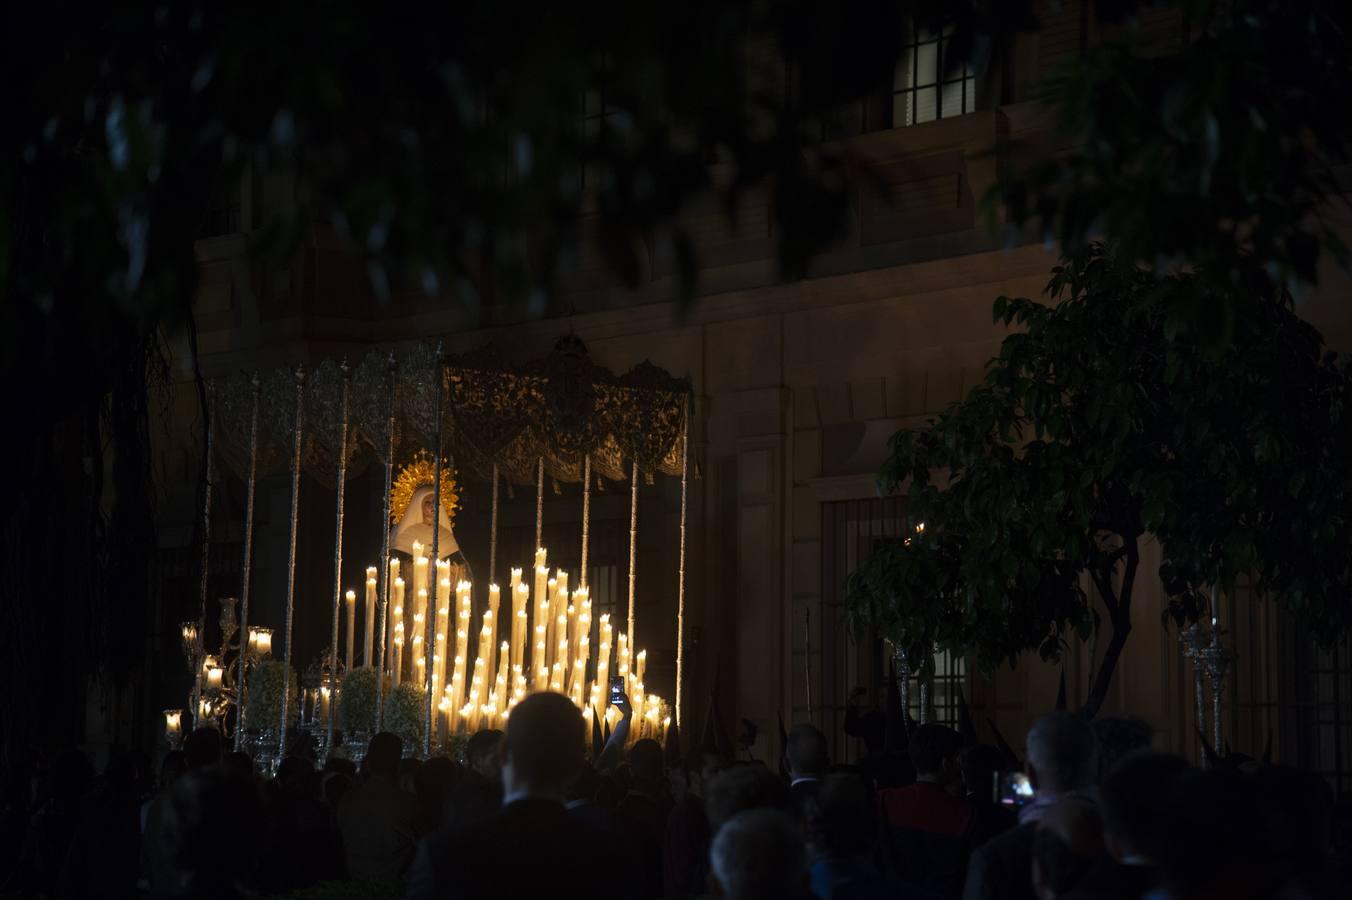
(1100, 425)
(1223, 149)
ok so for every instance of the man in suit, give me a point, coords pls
(533, 847)
(808, 760)
(377, 817)
(1061, 760)
(924, 823)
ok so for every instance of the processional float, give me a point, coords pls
(430, 420)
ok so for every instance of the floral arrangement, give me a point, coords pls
(357, 700)
(404, 713)
(265, 694)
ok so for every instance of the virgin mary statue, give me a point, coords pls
(416, 526)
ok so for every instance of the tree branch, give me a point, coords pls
(1121, 627)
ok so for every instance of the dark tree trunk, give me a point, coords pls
(1118, 603)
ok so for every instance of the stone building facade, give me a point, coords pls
(798, 387)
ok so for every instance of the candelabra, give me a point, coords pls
(1215, 661)
(316, 702)
(216, 688)
(903, 680)
(1212, 660)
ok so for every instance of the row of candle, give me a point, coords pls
(544, 644)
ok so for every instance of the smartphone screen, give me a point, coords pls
(616, 687)
(1014, 789)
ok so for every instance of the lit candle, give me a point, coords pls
(325, 706)
(397, 657)
(642, 664)
(442, 628)
(500, 683)
(520, 596)
(457, 695)
(603, 657)
(261, 640)
(541, 670)
(368, 641)
(419, 615)
(214, 675)
(351, 597)
(540, 601)
(173, 724)
(549, 620)
(396, 626)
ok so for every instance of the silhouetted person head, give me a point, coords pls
(382, 755)
(1212, 839)
(806, 751)
(1061, 754)
(431, 783)
(295, 776)
(210, 830)
(981, 764)
(1067, 844)
(1133, 798)
(741, 788)
(645, 763)
(483, 753)
(934, 752)
(174, 764)
(759, 854)
(545, 745)
(240, 762)
(842, 823)
(203, 748)
(1118, 736)
(871, 728)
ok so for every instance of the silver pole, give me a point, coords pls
(338, 545)
(206, 554)
(633, 555)
(384, 601)
(430, 641)
(242, 687)
(586, 524)
(680, 567)
(291, 557)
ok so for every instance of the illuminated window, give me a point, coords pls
(925, 87)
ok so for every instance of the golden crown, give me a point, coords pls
(419, 473)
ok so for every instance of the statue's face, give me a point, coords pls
(427, 514)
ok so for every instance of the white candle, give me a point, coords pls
(397, 657)
(540, 602)
(368, 646)
(351, 597)
(603, 658)
(417, 634)
(173, 723)
(395, 616)
(550, 622)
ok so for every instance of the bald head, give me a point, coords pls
(757, 854)
(1061, 754)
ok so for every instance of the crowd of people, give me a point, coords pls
(532, 813)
